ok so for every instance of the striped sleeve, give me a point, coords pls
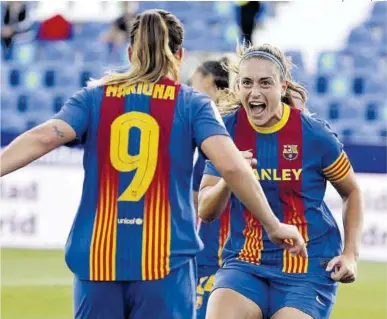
(339, 169)
(335, 163)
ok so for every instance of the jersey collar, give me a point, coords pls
(276, 127)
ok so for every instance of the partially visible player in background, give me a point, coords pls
(212, 78)
(133, 241)
(295, 155)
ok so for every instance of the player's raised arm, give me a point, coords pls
(35, 143)
(69, 124)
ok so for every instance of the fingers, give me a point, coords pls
(333, 263)
(348, 278)
(339, 273)
(295, 244)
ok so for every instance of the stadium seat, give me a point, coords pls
(339, 85)
(24, 53)
(54, 76)
(375, 111)
(375, 86)
(57, 51)
(8, 101)
(12, 122)
(33, 78)
(321, 84)
(14, 77)
(365, 62)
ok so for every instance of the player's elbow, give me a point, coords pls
(206, 217)
(206, 209)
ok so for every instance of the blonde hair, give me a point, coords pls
(156, 36)
(229, 101)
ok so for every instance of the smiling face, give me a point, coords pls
(260, 90)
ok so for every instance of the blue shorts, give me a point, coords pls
(273, 290)
(171, 297)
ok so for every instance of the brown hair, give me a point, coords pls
(229, 101)
(155, 36)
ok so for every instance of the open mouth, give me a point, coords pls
(257, 108)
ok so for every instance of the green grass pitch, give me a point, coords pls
(36, 284)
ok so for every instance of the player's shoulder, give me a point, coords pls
(316, 127)
(88, 93)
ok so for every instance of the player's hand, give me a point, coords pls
(344, 269)
(288, 237)
(248, 155)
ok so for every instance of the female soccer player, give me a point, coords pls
(295, 155)
(212, 78)
(133, 241)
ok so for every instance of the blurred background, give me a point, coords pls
(51, 48)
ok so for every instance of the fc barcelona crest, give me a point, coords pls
(290, 152)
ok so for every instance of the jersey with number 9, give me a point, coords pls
(135, 220)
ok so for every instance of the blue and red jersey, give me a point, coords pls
(136, 219)
(296, 157)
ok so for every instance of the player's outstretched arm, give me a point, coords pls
(242, 182)
(214, 193)
(35, 143)
(353, 215)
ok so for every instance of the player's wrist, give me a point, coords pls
(351, 254)
(272, 225)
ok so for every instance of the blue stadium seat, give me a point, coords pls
(33, 102)
(33, 78)
(329, 62)
(366, 62)
(375, 86)
(321, 84)
(376, 111)
(59, 97)
(54, 76)
(12, 122)
(8, 101)
(340, 85)
(14, 76)
(25, 53)
(358, 85)
(352, 109)
(57, 51)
